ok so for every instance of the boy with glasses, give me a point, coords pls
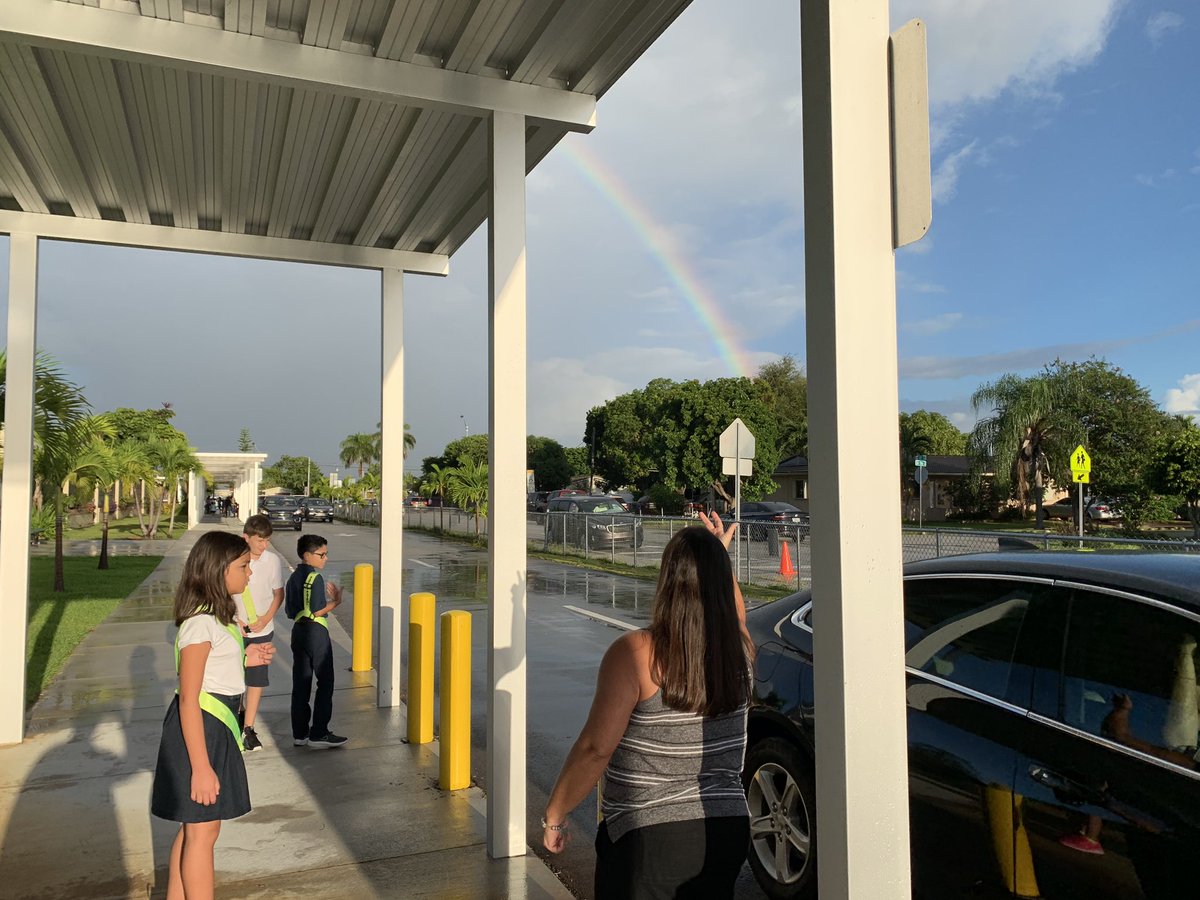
(308, 600)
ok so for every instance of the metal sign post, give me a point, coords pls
(736, 447)
(921, 475)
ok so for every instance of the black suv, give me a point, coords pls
(776, 518)
(283, 511)
(317, 509)
(1052, 729)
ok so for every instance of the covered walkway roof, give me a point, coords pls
(353, 126)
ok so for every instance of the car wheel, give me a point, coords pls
(783, 845)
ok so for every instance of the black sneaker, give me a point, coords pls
(329, 740)
(250, 740)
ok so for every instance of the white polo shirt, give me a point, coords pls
(266, 576)
(223, 672)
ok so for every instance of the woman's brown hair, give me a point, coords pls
(202, 589)
(701, 657)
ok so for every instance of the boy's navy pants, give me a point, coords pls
(312, 652)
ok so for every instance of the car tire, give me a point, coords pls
(780, 792)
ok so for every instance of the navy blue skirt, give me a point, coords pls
(171, 797)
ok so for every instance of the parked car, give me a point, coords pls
(536, 501)
(317, 509)
(1052, 729)
(595, 522)
(1097, 509)
(283, 511)
(773, 514)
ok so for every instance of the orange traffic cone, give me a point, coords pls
(785, 561)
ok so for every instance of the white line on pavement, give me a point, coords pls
(425, 564)
(599, 617)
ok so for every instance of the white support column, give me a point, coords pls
(506, 489)
(391, 501)
(195, 498)
(17, 489)
(862, 757)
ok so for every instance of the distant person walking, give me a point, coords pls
(257, 606)
(667, 729)
(200, 778)
(308, 600)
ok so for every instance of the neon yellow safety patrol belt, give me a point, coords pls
(306, 613)
(248, 602)
(211, 704)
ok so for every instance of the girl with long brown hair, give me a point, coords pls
(667, 729)
(200, 778)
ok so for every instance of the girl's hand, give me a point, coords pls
(206, 787)
(259, 654)
(555, 839)
(714, 524)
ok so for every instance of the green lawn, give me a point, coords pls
(125, 528)
(58, 622)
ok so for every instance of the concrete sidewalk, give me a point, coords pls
(367, 820)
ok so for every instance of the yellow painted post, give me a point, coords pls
(421, 625)
(364, 586)
(455, 739)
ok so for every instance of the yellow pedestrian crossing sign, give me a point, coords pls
(1081, 465)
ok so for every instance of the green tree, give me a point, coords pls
(1114, 417)
(915, 440)
(548, 459)
(1175, 469)
(173, 459)
(245, 445)
(57, 460)
(1014, 435)
(359, 449)
(942, 437)
(99, 466)
(783, 386)
(409, 440)
(437, 484)
(668, 433)
(295, 474)
(577, 460)
(131, 459)
(144, 424)
(473, 447)
(469, 489)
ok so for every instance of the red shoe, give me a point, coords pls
(1082, 843)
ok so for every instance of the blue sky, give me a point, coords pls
(1066, 223)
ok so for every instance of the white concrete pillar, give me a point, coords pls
(17, 489)
(862, 756)
(391, 499)
(506, 488)
(196, 488)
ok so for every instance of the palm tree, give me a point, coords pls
(132, 461)
(469, 488)
(377, 437)
(56, 458)
(173, 459)
(98, 466)
(1013, 437)
(438, 482)
(359, 449)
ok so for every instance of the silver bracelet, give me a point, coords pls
(561, 826)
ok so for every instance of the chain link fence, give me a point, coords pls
(765, 553)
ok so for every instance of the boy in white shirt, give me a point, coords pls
(256, 607)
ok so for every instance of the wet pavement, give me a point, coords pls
(364, 821)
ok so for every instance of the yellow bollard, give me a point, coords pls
(455, 740)
(421, 625)
(364, 585)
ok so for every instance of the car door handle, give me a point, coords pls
(1067, 788)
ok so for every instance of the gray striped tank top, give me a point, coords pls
(673, 766)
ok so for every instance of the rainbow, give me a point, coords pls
(677, 268)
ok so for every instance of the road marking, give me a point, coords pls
(425, 564)
(600, 617)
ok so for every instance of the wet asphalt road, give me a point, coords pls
(564, 652)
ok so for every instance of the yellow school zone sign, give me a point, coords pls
(1081, 465)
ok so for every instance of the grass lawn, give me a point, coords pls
(125, 528)
(58, 622)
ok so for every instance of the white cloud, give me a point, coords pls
(935, 325)
(979, 49)
(1184, 399)
(1153, 181)
(945, 178)
(1162, 23)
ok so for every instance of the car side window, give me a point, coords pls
(1129, 675)
(965, 630)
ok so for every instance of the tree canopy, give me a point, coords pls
(1175, 469)
(668, 433)
(783, 387)
(548, 459)
(292, 473)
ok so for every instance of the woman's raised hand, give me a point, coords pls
(714, 524)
